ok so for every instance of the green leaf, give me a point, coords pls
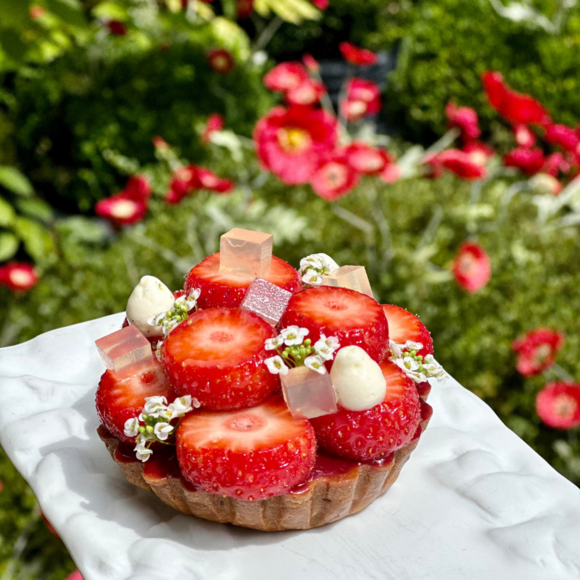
(14, 13)
(12, 44)
(12, 179)
(69, 11)
(8, 245)
(37, 240)
(81, 229)
(35, 208)
(7, 213)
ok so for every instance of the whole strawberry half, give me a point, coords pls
(250, 454)
(354, 318)
(121, 399)
(217, 356)
(404, 326)
(229, 288)
(376, 432)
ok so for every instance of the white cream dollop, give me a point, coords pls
(149, 298)
(358, 379)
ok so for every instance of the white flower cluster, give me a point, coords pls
(416, 367)
(178, 313)
(299, 351)
(154, 422)
(314, 267)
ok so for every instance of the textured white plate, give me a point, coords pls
(474, 502)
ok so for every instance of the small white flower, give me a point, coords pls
(326, 347)
(294, 335)
(276, 365)
(195, 294)
(162, 430)
(432, 367)
(410, 345)
(410, 363)
(312, 278)
(132, 427)
(395, 349)
(310, 262)
(195, 403)
(158, 355)
(180, 406)
(274, 343)
(154, 406)
(412, 374)
(315, 363)
(142, 451)
(322, 262)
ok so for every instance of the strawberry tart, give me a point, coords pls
(261, 395)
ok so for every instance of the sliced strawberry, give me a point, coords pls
(217, 356)
(121, 399)
(249, 454)
(229, 288)
(376, 432)
(404, 326)
(354, 318)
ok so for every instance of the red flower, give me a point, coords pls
(321, 4)
(530, 161)
(537, 350)
(563, 136)
(555, 163)
(138, 188)
(18, 276)
(391, 173)
(160, 143)
(244, 8)
(121, 209)
(524, 136)
(76, 575)
(334, 178)
(285, 77)
(458, 162)
(362, 98)
(558, 405)
(357, 56)
(36, 12)
(479, 152)
(116, 27)
(214, 123)
(183, 181)
(472, 267)
(291, 142)
(209, 180)
(310, 63)
(366, 159)
(308, 92)
(513, 106)
(465, 119)
(220, 60)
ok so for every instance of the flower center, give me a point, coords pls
(221, 62)
(565, 405)
(335, 174)
(468, 264)
(21, 278)
(293, 140)
(369, 161)
(245, 423)
(478, 157)
(542, 352)
(356, 108)
(124, 208)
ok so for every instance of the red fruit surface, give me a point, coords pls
(354, 318)
(121, 399)
(250, 454)
(228, 289)
(217, 356)
(376, 432)
(404, 326)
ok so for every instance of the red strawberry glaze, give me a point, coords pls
(228, 289)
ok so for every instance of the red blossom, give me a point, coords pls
(308, 92)
(524, 136)
(530, 161)
(183, 181)
(209, 180)
(391, 173)
(310, 63)
(285, 77)
(563, 136)
(472, 267)
(457, 162)
(334, 178)
(116, 27)
(76, 575)
(366, 159)
(36, 12)
(121, 209)
(291, 142)
(479, 152)
(537, 350)
(220, 60)
(465, 119)
(244, 8)
(362, 98)
(138, 188)
(357, 56)
(321, 4)
(214, 123)
(160, 143)
(558, 405)
(18, 276)
(555, 163)
(515, 107)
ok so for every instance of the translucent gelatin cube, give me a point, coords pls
(246, 251)
(121, 351)
(308, 394)
(267, 300)
(353, 277)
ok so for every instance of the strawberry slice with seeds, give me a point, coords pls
(121, 399)
(250, 454)
(376, 432)
(217, 356)
(404, 326)
(228, 289)
(354, 318)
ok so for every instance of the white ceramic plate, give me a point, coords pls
(474, 501)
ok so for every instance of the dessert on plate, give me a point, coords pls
(261, 395)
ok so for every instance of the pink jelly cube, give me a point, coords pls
(353, 277)
(122, 350)
(308, 394)
(246, 251)
(267, 300)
